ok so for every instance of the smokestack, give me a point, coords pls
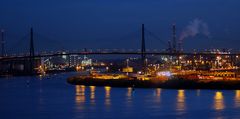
(174, 38)
(180, 46)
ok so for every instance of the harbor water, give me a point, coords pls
(51, 97)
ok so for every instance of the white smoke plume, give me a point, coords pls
(195, 27)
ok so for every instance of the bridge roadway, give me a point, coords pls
(114, 53)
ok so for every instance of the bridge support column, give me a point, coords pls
(2, 43)
(32, 54)
(143, 51)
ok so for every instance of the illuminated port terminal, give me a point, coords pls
(200, 71)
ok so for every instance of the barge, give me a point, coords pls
(175, 82)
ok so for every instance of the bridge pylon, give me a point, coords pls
(143, 50)
(2, 43)
(31, 53)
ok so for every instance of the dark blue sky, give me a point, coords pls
(77, 24)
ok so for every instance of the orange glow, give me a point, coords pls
(158, 95)
(107, 89)
(219, 101)
(158, 92)
(92, 93)
(80, 94)
(129, 92)
(107, 95)
(237, 98)
(181, 100)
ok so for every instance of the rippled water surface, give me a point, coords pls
(52, 98)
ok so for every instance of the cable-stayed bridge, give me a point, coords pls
(30, 54)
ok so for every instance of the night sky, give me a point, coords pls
(109, 24)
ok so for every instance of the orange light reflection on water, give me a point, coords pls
(107, 95)
(129, 92)
(181, 106)
(218, 101)
(158, 94)
(92, 94)
(80, 96)
(237, 98)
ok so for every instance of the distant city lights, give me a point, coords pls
(164, 73)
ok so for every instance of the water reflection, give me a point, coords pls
(158, 94)
(107, 95)
(198, 92)
(237, 98)
(80, 96)
(181, 101)
(218, 101)
(40, 77)
(92, 94)
(129, 93)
